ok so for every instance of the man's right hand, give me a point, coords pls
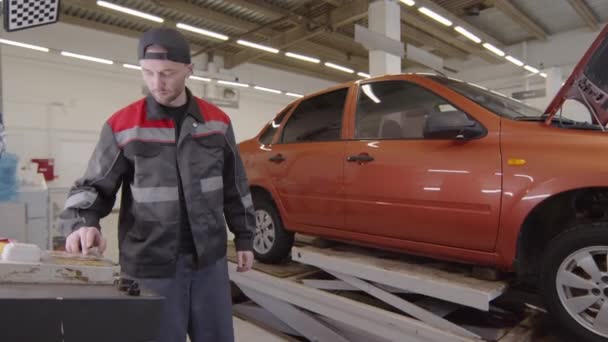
(84, 239)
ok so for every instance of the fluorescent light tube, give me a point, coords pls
(339, 67)
(435, 16)
(131, 66)
(467, 34)
(236, 84)
(257, 46)
(514, 61)
(202, 31)
(86, 58)
(494, 49)
(198, 78)
(302, 57)
(23, 45)
(268, 90)
(130, 11)
(531, 69)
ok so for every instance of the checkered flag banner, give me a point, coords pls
(23, 14)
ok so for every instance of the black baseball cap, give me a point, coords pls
(178, 49)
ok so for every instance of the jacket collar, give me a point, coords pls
(155, 111)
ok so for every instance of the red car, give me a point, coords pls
(439, 167)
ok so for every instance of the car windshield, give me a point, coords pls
(493, 101)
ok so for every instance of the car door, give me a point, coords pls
(306, 164)
(401, 185)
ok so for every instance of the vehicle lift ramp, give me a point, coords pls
(305, 307)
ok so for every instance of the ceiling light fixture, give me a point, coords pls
(257, 46)
(339, 67)
(435, 16)
(302, 57)
(202, 31)
(130, 11)
(23, 45)
(467, 34)
(494, 49)
(514, 61)
(236, 84)
(86, 58)
(268, 90)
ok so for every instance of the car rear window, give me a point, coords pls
(316, 119)
(273, 127)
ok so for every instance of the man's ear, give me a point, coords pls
(190, 69)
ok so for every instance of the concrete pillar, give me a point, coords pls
(384, 18)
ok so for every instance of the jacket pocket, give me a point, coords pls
(208, 152)
(151, 242)
(153, 164)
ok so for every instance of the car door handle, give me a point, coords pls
(361, 158)
(277, 158)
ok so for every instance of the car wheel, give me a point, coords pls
(574, 280)
(271, 242)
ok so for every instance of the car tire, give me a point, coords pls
(271, 242)
(574, 281)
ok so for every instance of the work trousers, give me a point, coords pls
(197, 302)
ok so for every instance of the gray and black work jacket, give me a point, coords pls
(138, 150)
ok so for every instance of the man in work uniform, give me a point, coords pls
(182, 180)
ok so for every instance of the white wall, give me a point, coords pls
(54, 106)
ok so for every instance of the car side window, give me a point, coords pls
(275, 124)
(396, 110)
(316, 119)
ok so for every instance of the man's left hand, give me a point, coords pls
(245, 261)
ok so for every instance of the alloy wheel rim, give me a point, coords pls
(582, 287)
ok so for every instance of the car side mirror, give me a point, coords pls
(452, 125)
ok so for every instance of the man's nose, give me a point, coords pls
(157, 81)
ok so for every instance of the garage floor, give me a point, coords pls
(247, 332)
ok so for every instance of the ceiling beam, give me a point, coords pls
(344, 42)
(410, 15)
(64, 18)
(90, 6)
(313, 70)
(273, 12)
(517, 15)
(338, 17)
(95, 25)
(348, 13)
(457, 21)
(210, 16)
(245, 26)
(433, 30)
(336, 56)
(336, 3)
(585, 12)
(411, 32)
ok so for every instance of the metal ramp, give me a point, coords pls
(310, 305)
